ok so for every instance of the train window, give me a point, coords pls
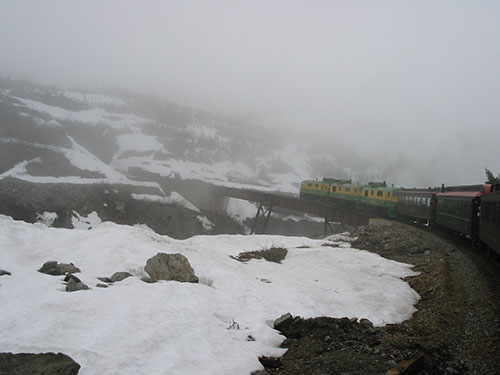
(334, 189)
(316, 185)
(428, 202)
(380, 193)
(372, 192)
(347, 189)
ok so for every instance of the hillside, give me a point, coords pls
(53, 135)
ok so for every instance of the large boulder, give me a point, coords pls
(40, 364)
(57, 269)
(170, 267)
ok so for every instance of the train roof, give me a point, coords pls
(382, 188)
(336, 181)
(314, 181)
(484, 188)
(417, 192)
(460, 194)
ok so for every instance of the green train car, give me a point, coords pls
(375, 197)
(379, 198)
(343, 192)
(489, 232)
(314, 190)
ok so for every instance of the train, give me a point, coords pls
(470, 210)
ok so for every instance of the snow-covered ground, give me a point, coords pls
(134, 327)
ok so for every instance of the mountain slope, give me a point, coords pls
(52, 135)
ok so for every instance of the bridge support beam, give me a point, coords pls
(261, 219)
(327, 227)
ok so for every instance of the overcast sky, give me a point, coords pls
(413, 83)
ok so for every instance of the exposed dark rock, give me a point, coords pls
(37, 364)
(170, 267)
(148, 280)
(283, 321)
(56, 269)
(73, 286)
(101, 285)
(119, 276)
(274, 254)
(2, 272)
(70, 276)
(270, 362)
(105, 279)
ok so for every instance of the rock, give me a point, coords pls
(40, 364)
(56, 269)
(101, 285)
(366, 323)
(105, 279)
(270, 362)
(119, 276)
(283, 321)
(73, 286)
(170, 267)
(70, 276)
(2, 272)
(148, 280)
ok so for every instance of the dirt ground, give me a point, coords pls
(456, 327)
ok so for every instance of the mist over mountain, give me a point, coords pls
(52, 135)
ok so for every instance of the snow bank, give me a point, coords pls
(174, 198)
(181, 328)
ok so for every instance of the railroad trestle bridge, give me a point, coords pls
(268, 200)
(214, 197)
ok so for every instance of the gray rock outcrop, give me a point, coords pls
(56, 269)
(119, 276)
(2, 272)
(170, 267)
(40, 364)
(74, 286)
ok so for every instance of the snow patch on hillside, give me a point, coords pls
(94, 116)
(174, 199)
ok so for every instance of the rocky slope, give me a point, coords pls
(455, 327)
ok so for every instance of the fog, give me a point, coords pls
(412, 85)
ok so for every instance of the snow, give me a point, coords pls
(134, 327)
(174, 199)
(138, 142)
(205, 222)
(92, 116)
(201, 131)
(47, 218)
(95, 99)
(85, 222)
(240, 210)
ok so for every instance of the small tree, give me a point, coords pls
(490, 178)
